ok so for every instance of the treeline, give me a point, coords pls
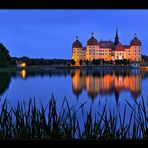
(101, 62)
(145, 58)
(39, 61)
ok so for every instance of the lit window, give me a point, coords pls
(23, 65)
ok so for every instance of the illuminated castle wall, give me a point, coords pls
(107, 50)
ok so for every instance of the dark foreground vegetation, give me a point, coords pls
(27, 121)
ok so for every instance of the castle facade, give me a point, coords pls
(107, 50)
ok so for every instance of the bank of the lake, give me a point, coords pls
(54, 67)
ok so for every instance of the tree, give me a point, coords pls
(99, 61)
(80, 62)
(103, 62)
(124, 61)
(5, 59)
(120, 62)
(117, 62)
(111, 62)
(87, 62)
(73, 62)
(65, 62)
(93, 62)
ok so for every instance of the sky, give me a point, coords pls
(50, 33)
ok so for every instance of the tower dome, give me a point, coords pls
(92, 41)
(135, 41)
(77, 43)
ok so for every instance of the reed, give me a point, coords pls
(27, 121)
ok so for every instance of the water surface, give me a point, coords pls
(78, 86)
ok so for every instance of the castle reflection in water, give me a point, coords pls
(107, 82)
(102, 82)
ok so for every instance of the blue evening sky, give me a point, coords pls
(50, 33)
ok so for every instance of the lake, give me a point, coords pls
(78, 86)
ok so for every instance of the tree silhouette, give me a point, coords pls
(73, 62)
(5, 59)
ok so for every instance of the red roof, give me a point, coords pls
(77, 44)
(92, 41)
(135, 42)
(119, 47)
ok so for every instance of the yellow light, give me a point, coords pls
(23, 73)
(23, 65)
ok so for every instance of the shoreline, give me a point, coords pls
(57, 67)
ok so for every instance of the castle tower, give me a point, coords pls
(135, 49)
(116, 38)
(76, 50)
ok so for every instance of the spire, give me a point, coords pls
(135, 35)
(92, 34)
(76, 37)
(116, 38)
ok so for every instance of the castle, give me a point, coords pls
(107, 50)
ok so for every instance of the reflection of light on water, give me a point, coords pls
(23, 73)
(106, 84)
